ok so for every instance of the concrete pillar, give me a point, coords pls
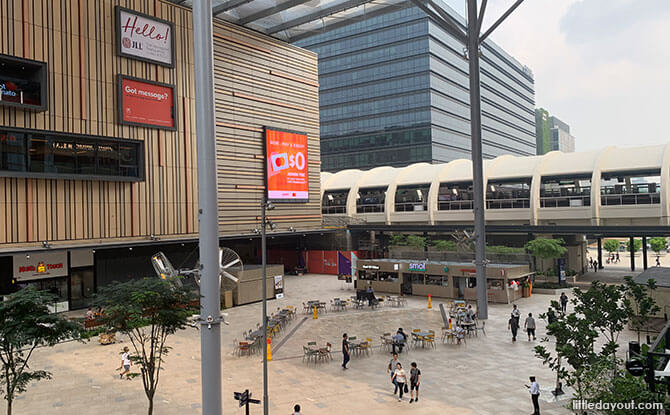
(644, 252)
(632, 253)
(600, 253)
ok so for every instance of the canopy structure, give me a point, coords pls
(292, 20)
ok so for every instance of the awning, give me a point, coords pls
(292, 20)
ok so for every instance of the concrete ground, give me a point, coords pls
(484, 376)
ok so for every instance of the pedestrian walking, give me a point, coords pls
(414, 382)
(564, 302)
(516, 313)
(400, 380)
(595, 265)
(529, 325)
(296, 410)
(617, 258)
(534, 395)
(345, 351)
(513, 324)
(391, 369)
(125, 363)
(658, 261)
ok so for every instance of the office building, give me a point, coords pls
(394, 91)
(552, 134)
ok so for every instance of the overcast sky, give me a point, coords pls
(602, 66)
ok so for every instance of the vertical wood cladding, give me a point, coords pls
(259, 81)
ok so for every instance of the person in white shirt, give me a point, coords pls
(125, 362)
(534, 395)
(400, 379)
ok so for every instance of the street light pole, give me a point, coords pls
(477, 159)
(210, 285)
(264, 204)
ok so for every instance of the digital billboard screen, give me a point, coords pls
(146, 103)
(287, 177)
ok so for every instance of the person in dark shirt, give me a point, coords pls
(414, 381)
(345, 351)
(513, 325)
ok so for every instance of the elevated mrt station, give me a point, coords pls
(614, 192)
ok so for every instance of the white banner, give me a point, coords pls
(144, 37)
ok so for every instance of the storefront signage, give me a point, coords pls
(143, 37)
(40, 265)
(468, 270)
(279, 286)
(146, 103)
(371, 267)
(287, 175)
(23, 83)
(419, 266)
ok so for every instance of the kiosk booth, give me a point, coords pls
(441, 279)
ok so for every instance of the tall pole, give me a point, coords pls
(477, 162)
(265, 306)
(210, 286)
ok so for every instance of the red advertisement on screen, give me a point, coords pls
(287, 170)
(145, 103)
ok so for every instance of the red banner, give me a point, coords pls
(145, 103)
(287, 170)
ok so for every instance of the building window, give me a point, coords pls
(334, 201)
(412, 198)
(367, 275)
(441, 280)
(371, 200)
(508, 194)
(630, 188)
(572, 191)
(388, 276)
(455, 196)
(28, 153)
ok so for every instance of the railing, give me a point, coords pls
(370, 208)
(522, 203)
(565, 201)
(630, 199)
(455, 205)
(333, 210)
(411, 206)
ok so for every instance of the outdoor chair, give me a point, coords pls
(324, 352)
(309, 354)
(364, 347)
(236, 347)
(482, 328)
(243, 348)
(430, 340)
(305, 308)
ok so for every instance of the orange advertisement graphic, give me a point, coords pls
(287, 170)
(147, 103)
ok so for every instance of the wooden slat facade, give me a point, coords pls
(259, 81)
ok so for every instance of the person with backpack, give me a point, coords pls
(414, 382)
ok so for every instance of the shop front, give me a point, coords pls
(66, 274)
(441, 279)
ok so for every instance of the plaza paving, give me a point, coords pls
(484, 376)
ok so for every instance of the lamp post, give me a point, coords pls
(210, 285)
(265, 205)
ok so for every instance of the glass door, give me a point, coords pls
(81, 287)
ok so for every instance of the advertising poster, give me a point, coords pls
(146, 103)
(143, 37)
(287, 170)
(279, 286)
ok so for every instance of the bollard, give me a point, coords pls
(449, 324)
(269, 350)
(430, 304)
(316, 315)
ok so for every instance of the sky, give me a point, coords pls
(601, 66)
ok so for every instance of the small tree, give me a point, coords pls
(643, 305)
(575, 339)
(657, 244)
(398, 240)
(416, 241)
(442, 245)
(147, 311)
(608, 310)
(611, 245)
(547, 249)
(637, 244)
(25, 324)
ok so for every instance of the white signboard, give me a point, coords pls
(38, 265)
(143, 37)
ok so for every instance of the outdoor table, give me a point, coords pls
(340, 304)
(254, 334)
(469, 327)
(421, 335)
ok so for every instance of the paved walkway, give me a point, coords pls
(485, 376)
